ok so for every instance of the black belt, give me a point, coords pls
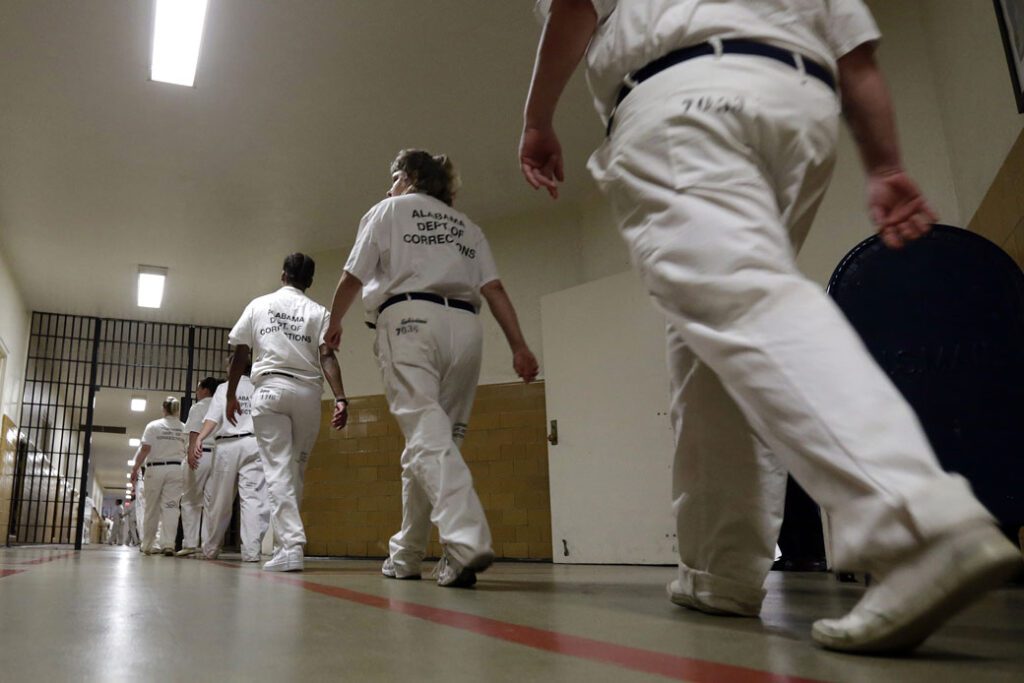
(232, 436)
(424, 296)
(163, 462)
(729, 47)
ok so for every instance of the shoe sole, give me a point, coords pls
(411, 577)
(987, 573)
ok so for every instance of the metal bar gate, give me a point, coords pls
(70, 358)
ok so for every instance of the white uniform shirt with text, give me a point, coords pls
(166, 440)
(633, 33)
(218, 407)
(284, 329)
(194, 421)
(416, 243)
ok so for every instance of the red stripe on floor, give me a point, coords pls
(635, 659)
(44, 560)
(10, 572)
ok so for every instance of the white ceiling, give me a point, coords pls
(110, 453)
(282, 145)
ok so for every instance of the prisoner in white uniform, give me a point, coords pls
(422, 267)
(237, 467)
(117, 537)
(131, 521)
(161, 452)
(197, 495)
(722, 120)
(283, 332)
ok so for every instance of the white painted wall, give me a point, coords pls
(974, 93)
(14, 326)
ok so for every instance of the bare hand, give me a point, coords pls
(540, 157)
(232, 410)
(899, 210)
(333, 335)
(135, 476)
(195, 456)
(340, 417)
(525, 365)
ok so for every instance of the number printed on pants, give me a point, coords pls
(409, 326)
(717, 104)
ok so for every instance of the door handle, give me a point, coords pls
(553, 435)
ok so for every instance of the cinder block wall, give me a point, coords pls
(353, 503)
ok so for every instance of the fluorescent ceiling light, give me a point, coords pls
(134, 443)
(127, 475)
(131, 463)
(151, 286)
(177, 33)
(138, 406)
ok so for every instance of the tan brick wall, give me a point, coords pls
(1000, 217)
(353, 502)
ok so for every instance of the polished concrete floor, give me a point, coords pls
(110, 614)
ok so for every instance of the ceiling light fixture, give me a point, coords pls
(138, 406)
(134, 443)
(177, 34)
(151, 286)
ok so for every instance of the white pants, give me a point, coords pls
(429, 357)
(195, 498)
(286, 417)
(715, 169)
(163, 491)
(236, 467)
(140, 507)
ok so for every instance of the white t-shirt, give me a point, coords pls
(194, 421)
(415, 243)
(218, 408)
(166, 440)
(284, 329)
(633, 33)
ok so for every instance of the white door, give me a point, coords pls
(607, 388)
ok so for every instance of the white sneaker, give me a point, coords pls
(286, 560)
(451, 575)
(724, 607)
(185, 552)
(914, 598)
(389, 570)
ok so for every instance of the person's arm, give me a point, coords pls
(332, 371)
(239, 362)
(567, 33)
(140, 458)
(345, 293)
(504, 312)
(899, 210)
(192, 444)
(195, 444)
